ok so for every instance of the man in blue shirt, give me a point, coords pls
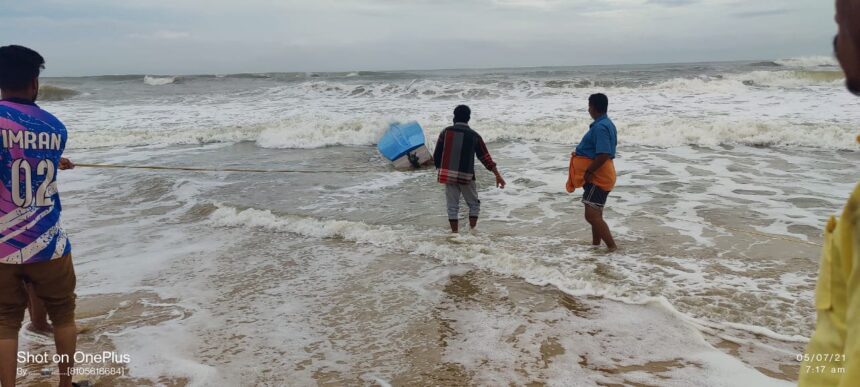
(598, 144)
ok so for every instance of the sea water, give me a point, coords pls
(727, 174)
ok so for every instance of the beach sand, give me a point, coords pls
(497, 325)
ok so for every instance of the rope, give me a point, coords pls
(193, 169)
(413, 159)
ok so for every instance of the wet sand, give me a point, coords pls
(535, 325)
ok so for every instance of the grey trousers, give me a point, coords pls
(469, 192)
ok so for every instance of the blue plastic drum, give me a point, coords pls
(401, 139)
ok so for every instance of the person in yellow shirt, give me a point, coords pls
(832, 357)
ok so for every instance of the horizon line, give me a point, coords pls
(179, 74)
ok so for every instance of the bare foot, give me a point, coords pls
(41, 330)
(611, 249)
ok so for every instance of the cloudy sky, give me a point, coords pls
(87, 37)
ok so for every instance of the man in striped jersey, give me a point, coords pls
(455, 161)
(33, 247)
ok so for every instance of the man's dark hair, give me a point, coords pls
(19, 66)
(599, 102)
(462, 113)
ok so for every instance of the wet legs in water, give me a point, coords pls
(599, 228)
(455, 224)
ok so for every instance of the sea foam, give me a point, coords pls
(158, 81)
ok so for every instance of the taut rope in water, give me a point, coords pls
(195, 169)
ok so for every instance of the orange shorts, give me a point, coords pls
(54, 283)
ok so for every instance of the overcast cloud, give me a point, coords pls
(87, 37)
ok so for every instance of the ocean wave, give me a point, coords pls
(809, 61)
(672, 132)
(767, 63)
(801, 78)
(144, 137)
(159, 81)
(297, 133)
(408, 86)
(55, 93)
(736, 82)
(116, 78)
(675, 132)
(311, 132)
(248, 76)
(498, 257)
(740, 82)
(528, 88)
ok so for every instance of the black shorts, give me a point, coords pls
(594, 196)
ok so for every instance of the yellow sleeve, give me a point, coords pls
(828, 340)
(850, 248)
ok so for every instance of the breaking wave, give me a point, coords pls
(159, 81)
(55, 93)
(441, 90)
(310, 132)
(809, 61)
(658, 106)
(755, 79)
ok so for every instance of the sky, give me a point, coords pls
(174, 37)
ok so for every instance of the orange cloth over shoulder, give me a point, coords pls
(603, 178)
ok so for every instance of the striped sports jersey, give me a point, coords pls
(31, 143)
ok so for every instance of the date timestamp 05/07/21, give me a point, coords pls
(821, 359)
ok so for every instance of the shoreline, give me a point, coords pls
(537, 314)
